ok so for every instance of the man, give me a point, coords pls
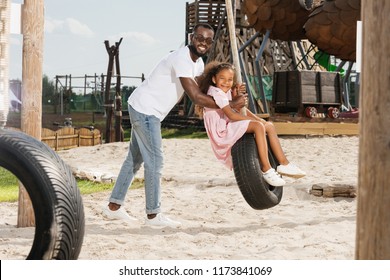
(149, 104)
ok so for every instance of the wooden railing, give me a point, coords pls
(69, 137)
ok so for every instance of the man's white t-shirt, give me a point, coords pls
(159, 93)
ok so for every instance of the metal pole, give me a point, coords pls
(252, 106)
(258, 70)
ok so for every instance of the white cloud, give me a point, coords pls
(68, 25)
(138, 37)
(51, 25)
(78, 28)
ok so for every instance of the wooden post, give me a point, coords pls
(108, 103)
(5, 12)
(31, 117)
(233, 39)
(233, 43)
(373, 208)
(118, 97)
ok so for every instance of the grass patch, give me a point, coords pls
(170, 133)
(9, 186)
(187, 133)
(88, 187)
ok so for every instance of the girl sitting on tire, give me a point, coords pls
(224, 126)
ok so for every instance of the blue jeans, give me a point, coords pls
(145, 147)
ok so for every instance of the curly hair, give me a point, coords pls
(212, 69)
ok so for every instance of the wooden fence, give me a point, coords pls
(69, 137)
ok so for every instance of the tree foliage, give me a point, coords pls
(48, 91)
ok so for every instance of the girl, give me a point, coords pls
(225, 126)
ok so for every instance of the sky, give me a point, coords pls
(75, 31)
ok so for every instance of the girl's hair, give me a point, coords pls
(210, 70)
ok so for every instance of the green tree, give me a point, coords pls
(48, 91)
(126, 92)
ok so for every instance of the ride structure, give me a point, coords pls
(278, 36)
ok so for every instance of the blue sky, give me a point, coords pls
(75, 31)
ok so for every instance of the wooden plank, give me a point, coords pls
(68, 137)
(334, 190)
(341, 129)
(48, 137)
(299, 128)
(307, 128)
(66, 147)
(88, 137)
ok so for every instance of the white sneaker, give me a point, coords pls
(119, 214)
(273, 178)
(290, 170)
(162, 221)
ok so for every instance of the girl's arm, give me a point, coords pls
(249, 113)
(236, 116)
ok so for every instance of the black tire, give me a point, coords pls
(246, 166)
(53, 190)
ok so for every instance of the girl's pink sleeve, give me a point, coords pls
(221, 98)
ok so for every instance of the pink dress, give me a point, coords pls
(222, 132)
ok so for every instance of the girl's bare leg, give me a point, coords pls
(262, 147)
(275, 143)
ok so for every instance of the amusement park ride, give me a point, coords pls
(288, 42)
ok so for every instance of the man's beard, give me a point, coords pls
(195, 51)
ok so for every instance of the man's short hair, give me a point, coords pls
(204, 25)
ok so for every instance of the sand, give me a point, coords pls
(217, 223)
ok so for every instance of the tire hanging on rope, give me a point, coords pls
(246, 165)
(247, 170)
(53, 190)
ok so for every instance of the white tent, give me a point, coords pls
(12, 97)
(13, 100)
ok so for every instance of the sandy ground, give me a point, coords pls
(217, 223)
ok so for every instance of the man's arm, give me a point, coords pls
(191, 88)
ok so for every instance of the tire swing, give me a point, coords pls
(246, 166)
(53, 190)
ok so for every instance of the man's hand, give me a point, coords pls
(239, 102)
(240, 97)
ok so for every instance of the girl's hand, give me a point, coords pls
(239, 89)
(239, 96)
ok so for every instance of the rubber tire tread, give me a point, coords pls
(53, 190)
(247, 170)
